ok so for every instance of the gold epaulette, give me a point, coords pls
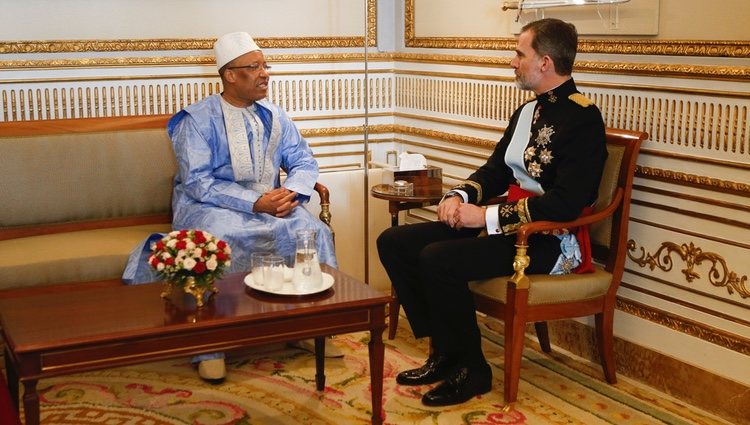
(581, 99)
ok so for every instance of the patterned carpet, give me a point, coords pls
(276, 386)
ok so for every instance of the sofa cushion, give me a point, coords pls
(69, 177)
(70, 257)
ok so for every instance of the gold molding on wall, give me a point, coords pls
(130, 45)
(183, 60)
(708, 48)
(628, 68)
(719, 274)
(706, 182)
(145, 45)
(685, 325)
(708, 72)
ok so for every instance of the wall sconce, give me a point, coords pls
(541, 4)
(521, 5)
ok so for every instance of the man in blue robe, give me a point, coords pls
(230, 149)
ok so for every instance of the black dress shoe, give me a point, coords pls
(461, 386)
(435, 369)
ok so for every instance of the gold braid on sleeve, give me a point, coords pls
(476, 187)
(523, 211)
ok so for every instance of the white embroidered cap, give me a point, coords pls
(231, 46)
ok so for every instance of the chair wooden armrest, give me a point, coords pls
(528, 229)
(325, 203)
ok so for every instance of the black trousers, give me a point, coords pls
(429, 265)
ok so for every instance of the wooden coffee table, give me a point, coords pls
(62, 333)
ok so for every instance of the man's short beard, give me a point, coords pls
(522, 84)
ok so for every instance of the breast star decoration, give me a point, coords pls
(536, 159)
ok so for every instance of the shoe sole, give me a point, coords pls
(481, 392)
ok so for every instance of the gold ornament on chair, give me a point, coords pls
(191, 260)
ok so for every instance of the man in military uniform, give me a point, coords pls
(550, 160)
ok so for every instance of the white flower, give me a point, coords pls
(171, 243)
(212, 264)
(160, 267)
(211, 245)
(188, 263)
(190, 245)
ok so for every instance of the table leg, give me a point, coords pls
(377, 357)
(320, 357)
(12, 377)
(31, 402)
(393, 310)
(393, 209)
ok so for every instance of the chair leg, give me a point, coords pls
(604, 323)
(515, 325)
(394, 308)
(542, 334)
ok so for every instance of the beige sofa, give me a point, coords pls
(77, 195)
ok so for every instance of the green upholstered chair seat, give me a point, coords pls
(547, 289)
(80, 256)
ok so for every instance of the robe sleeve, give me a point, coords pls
(196, 170)
(296, 158)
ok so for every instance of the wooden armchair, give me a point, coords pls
(520, 299)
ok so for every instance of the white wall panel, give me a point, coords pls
(138, 19)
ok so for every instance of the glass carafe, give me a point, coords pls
(307, 275)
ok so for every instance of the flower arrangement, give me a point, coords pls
(192, 256)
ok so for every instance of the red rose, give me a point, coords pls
(199, 238)
(160, 245)
(221, 256)
(181, 244)
(154, 261)
(200, 267)
(182, 234)
(169, 261)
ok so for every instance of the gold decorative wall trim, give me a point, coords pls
(140, 45)
(684, 325)
(131, 45)
(184, 60)
(713, 72)
(708, 48)
(447, 137)
(705, 182)
(687, 196)
(346, 131)
(719, 274)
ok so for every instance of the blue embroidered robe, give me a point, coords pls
(206, 195)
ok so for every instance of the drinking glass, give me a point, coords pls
(273, 272)
(256, 266)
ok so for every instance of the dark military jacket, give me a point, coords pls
(565, 155)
